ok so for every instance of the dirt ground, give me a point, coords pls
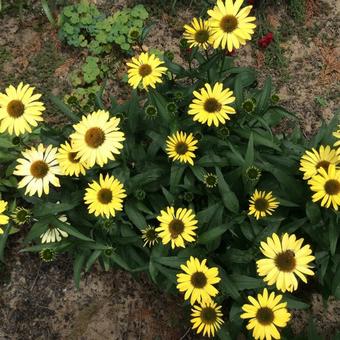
(39, 301)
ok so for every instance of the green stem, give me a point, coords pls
(222, 63)
(190, 69)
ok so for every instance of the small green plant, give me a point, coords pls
(82, 25)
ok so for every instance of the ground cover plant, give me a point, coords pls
(190, 161)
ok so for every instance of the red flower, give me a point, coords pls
(266, 40)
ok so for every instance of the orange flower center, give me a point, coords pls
(261, 204)
(15, 108)
(211, 105)
(72, 157)
(265, 316)
(332, 187)
(228, 23)
(94, 137)
(198, 280)
(286, 261)
(39, 169)
(144, 70)
(176, 227)
(104, 196)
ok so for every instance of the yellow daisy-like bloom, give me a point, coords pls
(313, 160)
(326, 186)
(229, 25)
(211, 105)
(149, 236)
(266, 314)
(146, 69)
(286, 259)
(3, 218)
(106, 197)
(198, 33)
(177, 226)
(97, 138)
(197, 281)
(181, 147)
(69, 163)
(20, 109)
(207, 318)
(39, 167)
(262, 204)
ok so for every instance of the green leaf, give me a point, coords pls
(243, 282)
(48, 13)
(227, 286)
(176, 174)
(313, 212)
(3, 239)
(69, 229)
(223, 333)
(64, 108)
(159, 101)
(205, 216)
(229, 199)
(38, 228)
(134, 215)
(92, 259)
(120, 261)
(48, 208)
(312, 332)
(264, 98)
(249, 158)
(78, 264)
(174, 68)
(262, 138)
(168, 195)
(334, 231)
(212, 234)
(293, 302)
(170, 261)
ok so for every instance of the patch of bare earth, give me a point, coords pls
(40, 301)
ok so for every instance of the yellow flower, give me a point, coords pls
(177, 226)
(181, 146)
(311, 161)
(197, 281)
(198, 33)
(53, 234)
(266, 314)
(285, 259)
(229, 25)
(106, 197)
(149, 236)
(68, 162)
(146, 69)
(39, 168)
(97, 138)
(210, 180)
(326, 186)
(210, 105)
(20, 110)
(3, 218)
(207, 318)
(262, 204)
